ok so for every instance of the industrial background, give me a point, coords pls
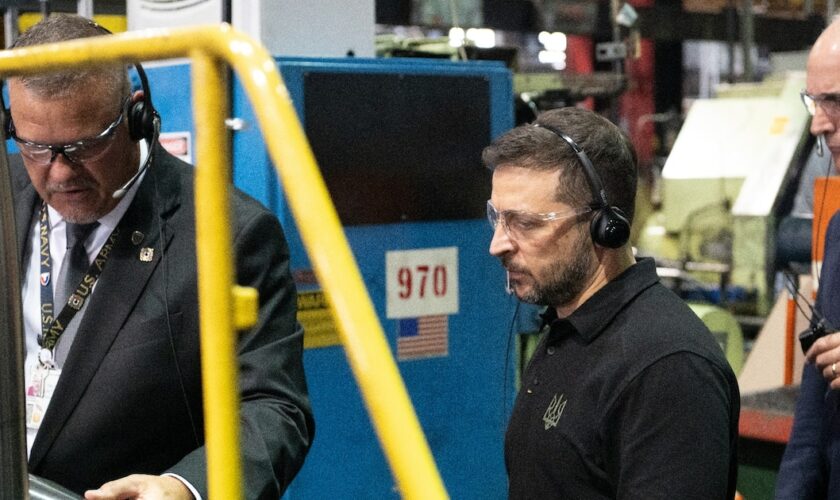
(426, 85)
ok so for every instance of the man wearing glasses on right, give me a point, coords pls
(628, 395)
(810, 467)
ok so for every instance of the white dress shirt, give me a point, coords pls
(31, 287)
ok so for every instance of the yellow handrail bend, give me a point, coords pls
(364, 341)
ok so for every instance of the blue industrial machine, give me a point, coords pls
(398, 142)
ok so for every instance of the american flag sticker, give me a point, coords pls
(423, 337)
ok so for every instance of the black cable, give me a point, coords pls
(818, 324)
(147, 96)
(165, 270)
(507, 358)
(818, 221)
(793, 289)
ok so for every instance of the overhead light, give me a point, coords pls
(555, 41)
(555, 44)
(556, 59)
(456, 37)
(484, 38)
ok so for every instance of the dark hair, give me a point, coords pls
(112, 78)
(607, 147)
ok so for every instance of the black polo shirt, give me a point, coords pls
(629, 397)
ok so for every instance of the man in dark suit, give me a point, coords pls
(810, 467)
(113, 387)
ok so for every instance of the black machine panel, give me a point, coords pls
(400, 147)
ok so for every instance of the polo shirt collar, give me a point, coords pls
(594, 315)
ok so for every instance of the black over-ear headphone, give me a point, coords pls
(142, 117)
(609, 227)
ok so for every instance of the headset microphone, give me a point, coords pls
(143, 123)
(119, 193)
(508, 288)
(820, 140)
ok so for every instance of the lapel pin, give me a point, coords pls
(147, 254)
(136, 237)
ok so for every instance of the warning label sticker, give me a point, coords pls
(319, 329)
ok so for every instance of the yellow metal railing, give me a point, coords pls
(361, 334)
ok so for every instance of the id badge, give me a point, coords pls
(39, 392)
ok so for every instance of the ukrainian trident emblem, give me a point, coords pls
(554, 411)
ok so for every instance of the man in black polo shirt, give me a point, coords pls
(628, 395)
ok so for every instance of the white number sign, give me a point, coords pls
(422, 282)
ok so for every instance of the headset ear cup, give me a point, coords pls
(135, 120)
(609, 227)
(141, 123)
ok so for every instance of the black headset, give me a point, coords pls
(609, 227)
(143, 124)
(142, 117)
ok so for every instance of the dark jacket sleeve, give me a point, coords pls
(276, 423)
(803, 471)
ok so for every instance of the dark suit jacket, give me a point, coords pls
(129, 397)
(810, 467)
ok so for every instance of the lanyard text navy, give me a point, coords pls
(51, 326)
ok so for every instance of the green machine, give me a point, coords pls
(725, 186)
(733, 163)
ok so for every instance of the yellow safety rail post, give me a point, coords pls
(361, 334)
(215, 278)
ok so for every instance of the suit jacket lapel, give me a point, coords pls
(125, 276)
(26, 201)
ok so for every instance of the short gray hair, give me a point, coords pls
(59, 28)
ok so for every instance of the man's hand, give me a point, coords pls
(141, 487)
(825, 354)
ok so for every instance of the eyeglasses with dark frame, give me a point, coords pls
(829, 102)
(520, 225)
(79, 152)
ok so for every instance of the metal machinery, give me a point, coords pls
(725, 185)
(226, 308)
(727, 188)
(398, 142)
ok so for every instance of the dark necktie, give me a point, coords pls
(75, 263)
